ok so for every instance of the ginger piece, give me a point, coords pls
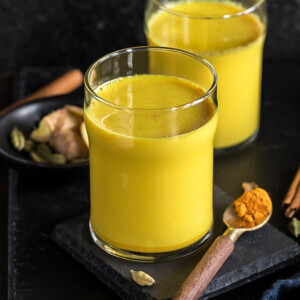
(62, 119)
(62, 130)
(57, 120)
(69, 143)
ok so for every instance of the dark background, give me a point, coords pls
(77, 32)
(69, 32)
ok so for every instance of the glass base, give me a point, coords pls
(148, 257)
(238, 146)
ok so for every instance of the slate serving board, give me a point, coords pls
(255, 254)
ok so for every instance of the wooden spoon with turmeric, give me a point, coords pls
(249, 212)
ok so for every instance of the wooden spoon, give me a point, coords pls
(215, 257)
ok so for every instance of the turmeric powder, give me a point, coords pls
(253, 207)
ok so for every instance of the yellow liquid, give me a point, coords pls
(233, 46)
(151, 171)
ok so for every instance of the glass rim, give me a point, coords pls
(207, 94)
(245, 11)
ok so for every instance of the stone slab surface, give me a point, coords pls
(255, 254)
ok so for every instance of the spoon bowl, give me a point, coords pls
(234, 224)
(232, 221)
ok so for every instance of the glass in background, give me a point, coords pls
(230, 35)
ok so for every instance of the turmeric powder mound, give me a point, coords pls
(253, 207)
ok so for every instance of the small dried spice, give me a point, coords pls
(29, 145)
(17, 139)
(42, 134)
(56, 159)
(142, 278)
(36, 157)
(43, 150)
(294, 227)
(78, 160)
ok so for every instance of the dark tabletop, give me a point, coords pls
(271, 161)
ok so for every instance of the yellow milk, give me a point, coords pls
(233, 46)
(151, 171)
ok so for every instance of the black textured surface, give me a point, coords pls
(48, 33)
(37, 202)
(255, 254)
(40, 269)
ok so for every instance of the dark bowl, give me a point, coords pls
(27, 116)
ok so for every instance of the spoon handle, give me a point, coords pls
(206, 269)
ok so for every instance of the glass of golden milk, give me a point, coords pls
(150, 125)
(230, 34)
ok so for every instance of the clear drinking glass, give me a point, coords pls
(230, 34)
(151, 168)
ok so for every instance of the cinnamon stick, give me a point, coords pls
(65, 84)
(291, 201)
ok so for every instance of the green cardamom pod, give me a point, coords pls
(36, 157)
(17, 139)
(57, 159)
(142, 278)
(42, 133)
(29, 145)
(78, 160)
(294, 227)
(43, 150)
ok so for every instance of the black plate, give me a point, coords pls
(25, 118)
